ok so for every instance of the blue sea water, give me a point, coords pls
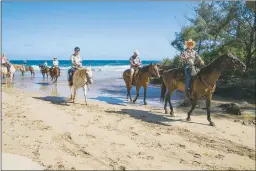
(65, 64)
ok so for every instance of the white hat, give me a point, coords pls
(136, 51)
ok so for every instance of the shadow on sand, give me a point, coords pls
(54, 100)
(147, 116)
(111, 100)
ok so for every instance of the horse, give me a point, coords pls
(23, 69)
(142, 79)
(54, 73)
(5, 73)
(203, 85)
(81, 78)
(44, 70)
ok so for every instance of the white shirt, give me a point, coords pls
(45, 64)
(76, 60)
(55, 63)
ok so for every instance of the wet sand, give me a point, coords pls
(114, 134)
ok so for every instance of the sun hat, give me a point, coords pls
(189, 42)
(136, 51)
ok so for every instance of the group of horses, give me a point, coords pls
(203, 85)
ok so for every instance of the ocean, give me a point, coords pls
(96, 64)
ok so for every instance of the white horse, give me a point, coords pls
(81, 78)
(5, 73)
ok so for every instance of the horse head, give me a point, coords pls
(153, 69)
(232, 62)
(88, 74)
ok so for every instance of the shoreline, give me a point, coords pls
(60, 135)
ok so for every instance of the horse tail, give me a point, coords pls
(163, 91)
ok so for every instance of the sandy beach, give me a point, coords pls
(59, 135)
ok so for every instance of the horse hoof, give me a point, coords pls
(145, 103)
(166, 112)
(212, 124)
(172, 114)
(188, 119)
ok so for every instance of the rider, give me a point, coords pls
(55, 64)
(45, 64)
(5, 62)
(76, 61)
(188, 59)
(135, 64)
(24, 65)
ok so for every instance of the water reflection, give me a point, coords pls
(54, 90)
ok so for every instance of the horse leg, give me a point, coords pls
(137, 93)
(85, 97)
(74, 94)
(194, 101)
(129, 93)
(165, 104)
(208, 106)
(145, 93)
(71, 96)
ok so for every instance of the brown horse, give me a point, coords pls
(142, 79)
(54, 72)
(24, 69)
(202, 86)
(44, 70)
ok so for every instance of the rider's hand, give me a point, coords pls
(202, 62)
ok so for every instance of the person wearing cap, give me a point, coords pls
(189, 58)
(55, 64)
(76, 61)
(135, 63)
(5, 62)
(24, 65)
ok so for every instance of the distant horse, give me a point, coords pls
(5, 73)
(54, 72)
(23, 69)
(81, 78)
(202, 86)
(44, 70)
(141, 79)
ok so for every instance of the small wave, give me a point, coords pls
(94, 68)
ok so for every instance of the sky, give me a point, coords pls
(102, 30)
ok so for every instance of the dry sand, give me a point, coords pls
(60, 135)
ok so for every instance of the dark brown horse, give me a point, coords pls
(142, 79)
(44, 70)
(54, 72)
(202, 86)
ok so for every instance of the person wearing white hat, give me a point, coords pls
(135, 64)
(188, 59)
(55, 64)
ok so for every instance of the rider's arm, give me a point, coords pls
(131, 61)
(182, 58)
(199, 59)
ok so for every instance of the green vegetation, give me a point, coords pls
(217, 27)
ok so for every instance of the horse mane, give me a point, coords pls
(145, 68)
(209, 68)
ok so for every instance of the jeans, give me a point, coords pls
(70, 71)
(190, 72)
(187, 76)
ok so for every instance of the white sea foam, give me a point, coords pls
(94, 68)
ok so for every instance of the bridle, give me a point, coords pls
(153, 71)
